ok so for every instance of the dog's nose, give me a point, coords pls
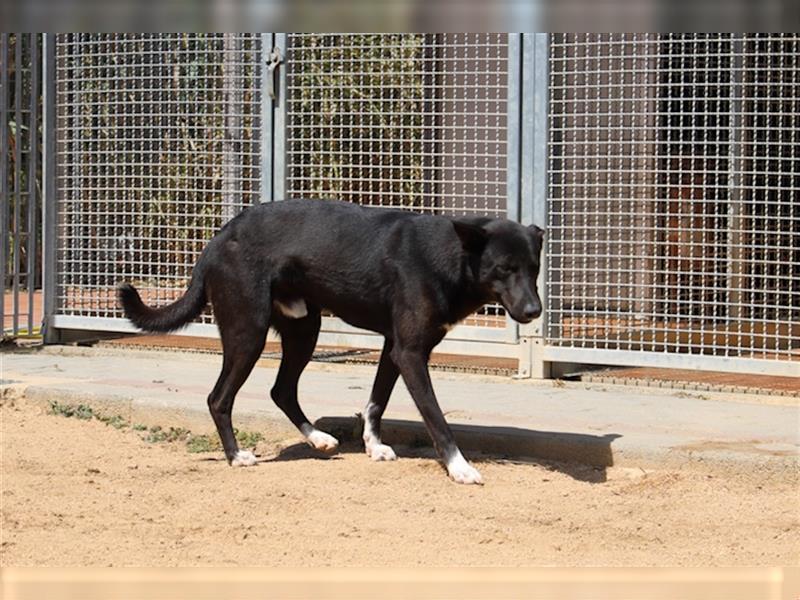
(531, 311)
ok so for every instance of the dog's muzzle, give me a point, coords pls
(531, 311)
(523, 313)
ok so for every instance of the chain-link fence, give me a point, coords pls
(674, 216)
(158, 144)
(665, 168)
(414, 121)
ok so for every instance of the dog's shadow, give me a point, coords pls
(298, 451)
(302, 451)
(580, 456)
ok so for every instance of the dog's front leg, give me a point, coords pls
(385, 379)
(413, 366)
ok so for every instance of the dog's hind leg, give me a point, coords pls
(298, 339)
(242, 311)
(385, 379)
(242, 345)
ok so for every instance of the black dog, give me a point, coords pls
(407, 276)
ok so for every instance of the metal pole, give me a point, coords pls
(33, 163)
(279, 122)
(49, 187)
(4, 199)
(17, 229)
(514, 146)
(267, 119)
(534, 192)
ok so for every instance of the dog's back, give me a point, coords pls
(339, 256)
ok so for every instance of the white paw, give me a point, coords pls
(323, 442)
(320, 440)
(379, 452)
(243, 458)
(463, 472)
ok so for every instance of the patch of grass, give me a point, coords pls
(86, 413)
(248, 439)
(81, 411)
(156, 434)
(211, 443)
(203, 443)
(116, 421)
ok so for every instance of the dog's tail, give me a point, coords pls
(166, 318)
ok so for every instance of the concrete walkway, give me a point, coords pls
(596, 424)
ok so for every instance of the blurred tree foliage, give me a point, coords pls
(356, 106)
(146, 139)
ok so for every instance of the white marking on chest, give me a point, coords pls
(296, 309)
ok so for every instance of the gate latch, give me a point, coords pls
(273, 60)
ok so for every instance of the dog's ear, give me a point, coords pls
(473, 236)
(537, 231)
(538, 236)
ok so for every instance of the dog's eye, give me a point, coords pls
(506, 270)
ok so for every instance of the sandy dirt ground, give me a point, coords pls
(83, 493)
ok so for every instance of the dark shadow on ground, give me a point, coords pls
(580, 456)
(302, 451)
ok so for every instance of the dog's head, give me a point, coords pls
(507, 262)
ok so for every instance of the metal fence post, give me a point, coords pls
(49, 216)
(33, 153)
(5, 200)
(533, 207)
(267, 116)
(279, 120)
(514, 145)
(18, 170)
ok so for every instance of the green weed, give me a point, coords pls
(203, 443)
(248, 439)
(81, 411)
(156, 434)
(173, 434)
(116, 421)
(211, 443)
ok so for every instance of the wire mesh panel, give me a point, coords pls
(158, 145)
(674, 216)
(413, 121)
